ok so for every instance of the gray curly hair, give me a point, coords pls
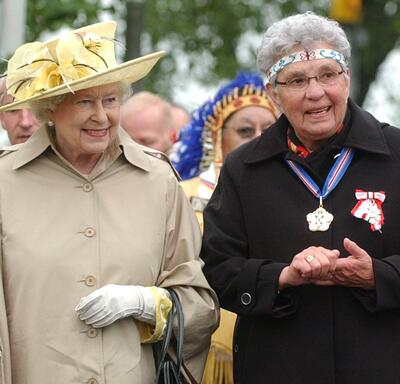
(302, 29)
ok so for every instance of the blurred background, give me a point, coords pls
(207, 41)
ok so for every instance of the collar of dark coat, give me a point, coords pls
(40, 141)
(365, 134)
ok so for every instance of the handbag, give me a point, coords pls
(171, 370)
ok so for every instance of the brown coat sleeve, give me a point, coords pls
(182, 270)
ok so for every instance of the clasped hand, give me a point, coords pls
(321, 266)
(112, 302)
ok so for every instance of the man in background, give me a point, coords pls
(148, 119)
(19, 124)
(181, 118)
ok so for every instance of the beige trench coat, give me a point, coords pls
(63, 235)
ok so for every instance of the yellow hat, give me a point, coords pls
(83, 58)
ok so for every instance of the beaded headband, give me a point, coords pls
(315, 54)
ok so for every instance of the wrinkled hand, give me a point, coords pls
(313, 265)
(355, 270)
(112, 302)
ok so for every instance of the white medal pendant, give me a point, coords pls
(320, 219)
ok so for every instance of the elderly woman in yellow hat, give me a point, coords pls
(94, 227)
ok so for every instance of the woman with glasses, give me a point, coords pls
(301, 234)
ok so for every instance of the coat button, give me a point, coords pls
(87, 187)
(90, 281)
(89, 232)
(92, 380)
(245, 298)
(92, 333)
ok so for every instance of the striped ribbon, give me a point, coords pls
(336, 173)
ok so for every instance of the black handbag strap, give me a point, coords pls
(180, 331)
(163, 367)
(165, 343)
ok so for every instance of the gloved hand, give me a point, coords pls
(112, 302)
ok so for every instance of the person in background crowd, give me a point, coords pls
(148, 120)
(301, 236)
(239, 112)
(20, 124)
(88, 252)
(181, 118)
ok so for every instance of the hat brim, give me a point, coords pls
(128, 73)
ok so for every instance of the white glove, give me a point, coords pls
(112, 302)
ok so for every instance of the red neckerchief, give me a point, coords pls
(300, 150)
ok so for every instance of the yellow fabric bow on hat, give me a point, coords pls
(30, 62)
(82, 59)
(34, 69)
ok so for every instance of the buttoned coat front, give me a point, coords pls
(64, 234)
(255, 223)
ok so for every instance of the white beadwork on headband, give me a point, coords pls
(315, 54)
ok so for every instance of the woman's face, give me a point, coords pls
(244, 125)
(86, 122)
(316, 112)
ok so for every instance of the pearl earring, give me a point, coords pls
(50, 123)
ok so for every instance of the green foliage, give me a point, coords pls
(204, 38)
(45, 15)
(207, 34)
(378, 34)
(51, 15)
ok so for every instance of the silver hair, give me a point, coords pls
(41, 106)
(301, 29)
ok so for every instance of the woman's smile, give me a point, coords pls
(95, 133)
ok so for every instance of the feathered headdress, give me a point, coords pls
(195, 150)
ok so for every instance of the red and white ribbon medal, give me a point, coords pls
(369, 208)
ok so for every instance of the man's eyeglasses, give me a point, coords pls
(300, 83)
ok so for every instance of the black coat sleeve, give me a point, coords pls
(245, 285)
(386, 295)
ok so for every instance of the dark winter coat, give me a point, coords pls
(255, 224)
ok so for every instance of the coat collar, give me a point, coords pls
(134, 152)
(31, 149)
(40, 141)
(365, 134)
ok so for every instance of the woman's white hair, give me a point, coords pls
(301, 29)
(40, 107)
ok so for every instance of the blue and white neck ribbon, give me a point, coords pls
(336, 173)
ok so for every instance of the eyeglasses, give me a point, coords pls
(300, 83)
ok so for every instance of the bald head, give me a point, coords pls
(20, 124)
(181, 118)
(148, 119)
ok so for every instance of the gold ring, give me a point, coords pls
(309, 258)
